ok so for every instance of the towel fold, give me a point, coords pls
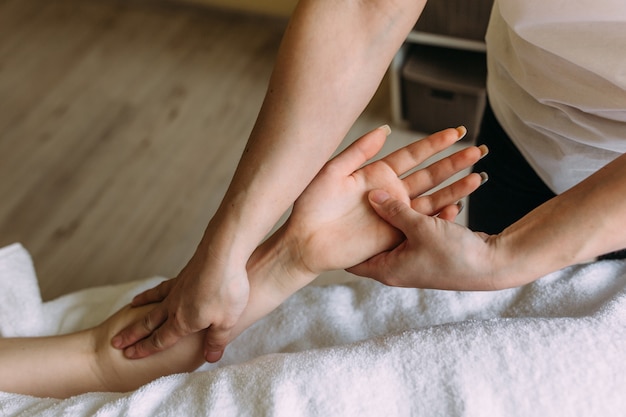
(552, 348)
(20, 299)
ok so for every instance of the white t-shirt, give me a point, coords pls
(557, 83)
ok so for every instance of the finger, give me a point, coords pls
(160, 339)
(375, 267)
(451, 212)
(412, 155)
(140, 328)
(361, 150)
(153, 295)
(215, 343)
(433, 203)
(432, 176)
(395, 212)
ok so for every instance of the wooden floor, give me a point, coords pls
(121, 123)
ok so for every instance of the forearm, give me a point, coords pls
(57, 366)
(72, 364)
(331, 61)
(576, 226)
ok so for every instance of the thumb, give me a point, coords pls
(393, 211)
(215, 343)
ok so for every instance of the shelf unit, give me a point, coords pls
(395, 69)
(450, 24)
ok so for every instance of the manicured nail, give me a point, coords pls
(387, 129)
(462, 132)
(484, 150)
(461, 206)
(484, 177)
(379, 196)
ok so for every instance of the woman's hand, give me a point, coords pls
(332, 224)
(435, 254)
(188, 304)
(117, 373)
(563, 231)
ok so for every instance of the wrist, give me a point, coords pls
(500, 264)
(513, 263)
(274, 275)
(279, 260)
(224, 241)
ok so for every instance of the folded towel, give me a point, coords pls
(553, 348)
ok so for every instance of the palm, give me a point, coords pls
(343, 216)
(334, 208)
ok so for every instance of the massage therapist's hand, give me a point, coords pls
(332, 224)
(435, 254)
(188, 304)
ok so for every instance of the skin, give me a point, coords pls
(334, 205)
(576, 226)
(308, 109)
(315, 94)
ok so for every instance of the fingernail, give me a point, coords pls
(116, 342)
(461, 205)
(212, 357)
(386, 129)
(379, 196)
(462, 132)
(130, 352)
(484, 177)
(484, 150)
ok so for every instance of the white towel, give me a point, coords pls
(552, 348)
(20, 301)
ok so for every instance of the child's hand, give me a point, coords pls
(332, 222)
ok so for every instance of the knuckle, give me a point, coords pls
(156, 342)
(180, 326)
(162, 290)
(228, 323)
(140, 350)
(424, 205)
(450, 135)
(146, 323)
(395, 208)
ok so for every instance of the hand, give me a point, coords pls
(436, 253)
(191, 302)
(333, 225)
(331, 209)
(115, 373)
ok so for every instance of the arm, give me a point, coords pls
(330, 227)
(332, 59)
(330, 63)
(582, 223)
(332, 210)
(72, 364)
